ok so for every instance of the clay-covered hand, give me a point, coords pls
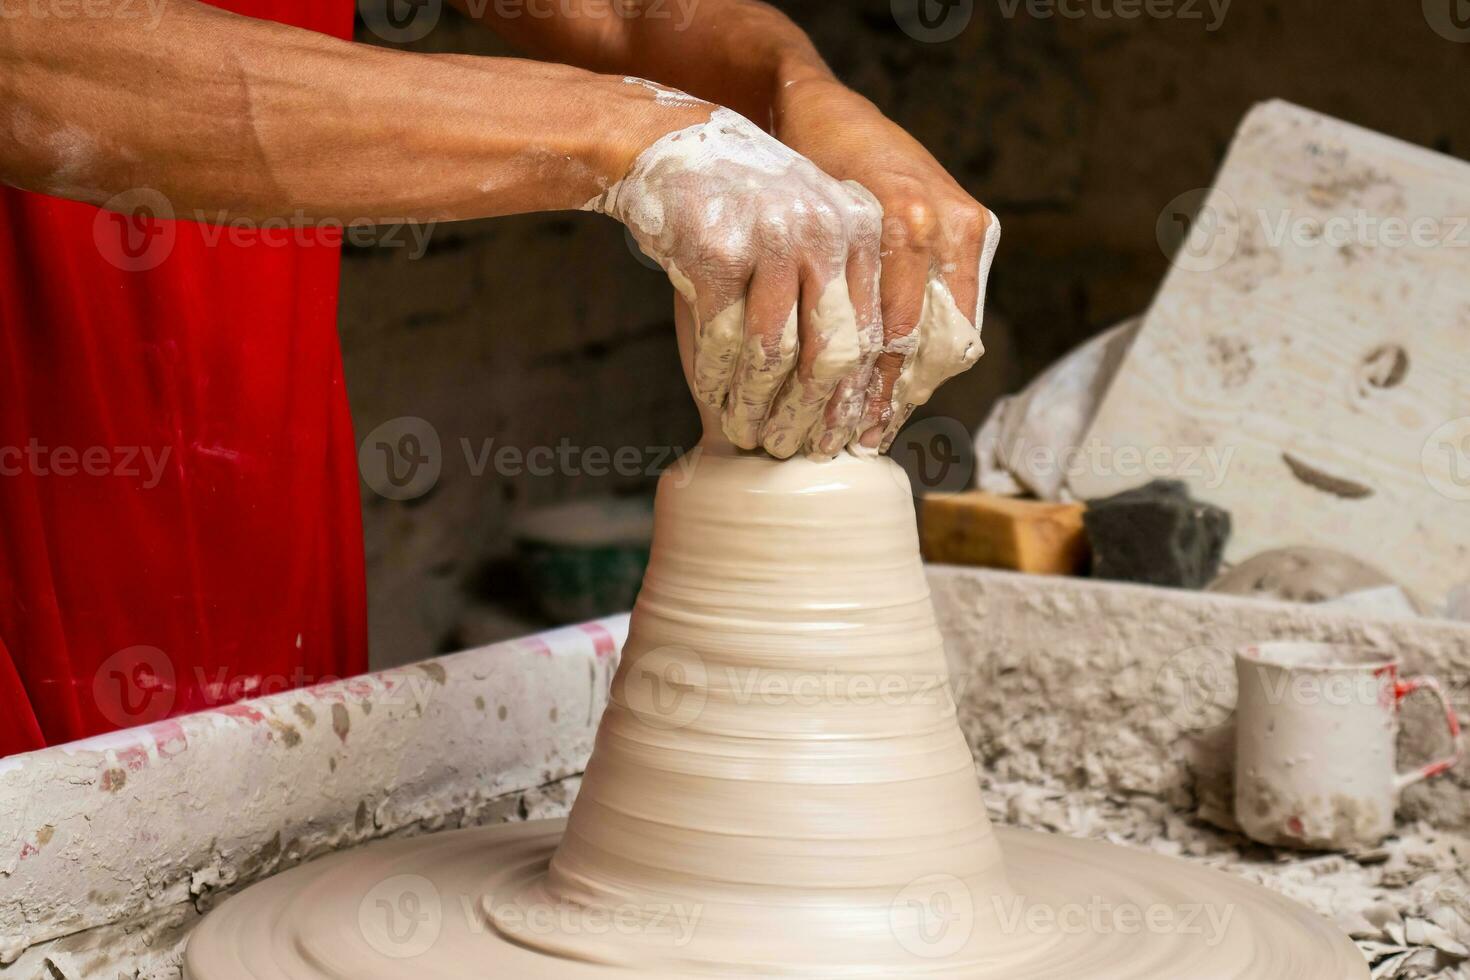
(780, 263)
(938, 243)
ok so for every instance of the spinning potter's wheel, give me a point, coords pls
(779, 787)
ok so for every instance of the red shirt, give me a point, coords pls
(180, 520)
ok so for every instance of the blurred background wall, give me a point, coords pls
(1075, 122)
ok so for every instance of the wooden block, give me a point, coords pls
(1306, 364)
(978, 528)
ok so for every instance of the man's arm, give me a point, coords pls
(222, 113)
(751, 57)
(218, 111)
(735, 53)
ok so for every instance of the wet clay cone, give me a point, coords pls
(781, 753)
(780, 756)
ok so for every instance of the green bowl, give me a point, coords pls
(585, 559)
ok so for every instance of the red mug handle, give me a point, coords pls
(1428, 771)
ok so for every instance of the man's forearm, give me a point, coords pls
(218, 111)
(736, 53)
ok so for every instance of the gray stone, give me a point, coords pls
(1156, 534)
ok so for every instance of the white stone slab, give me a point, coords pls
(1314, 334)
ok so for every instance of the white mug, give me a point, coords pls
(1315, 757)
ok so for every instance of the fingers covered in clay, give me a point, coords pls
(934, 279)
(830, 349)
(780, 264)
(905, 273)
(767, 354)
(846, 408)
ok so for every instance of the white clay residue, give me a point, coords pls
(947, 344)
(665, 96)
(722, 204)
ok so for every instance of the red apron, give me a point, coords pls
(180, 521)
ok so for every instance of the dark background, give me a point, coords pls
(1076, 130)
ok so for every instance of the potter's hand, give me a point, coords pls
(780, 264)
(938, 242)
